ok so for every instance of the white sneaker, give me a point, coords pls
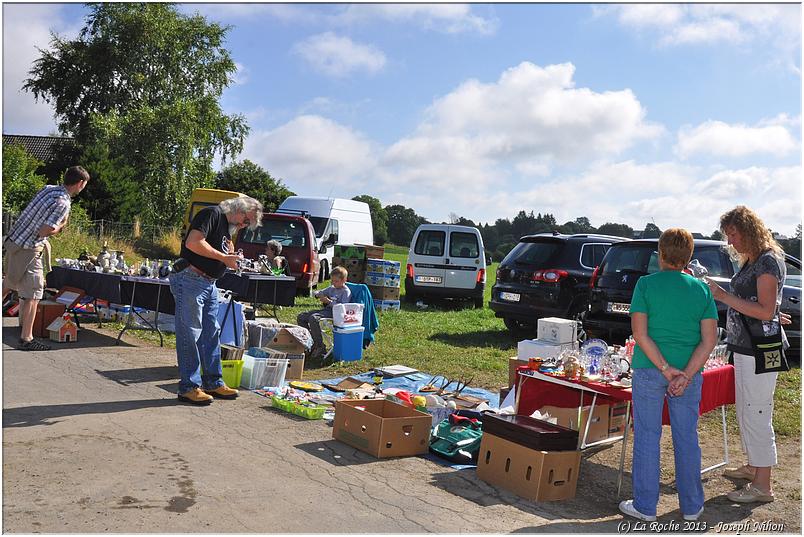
(696, 516)
(627, 508)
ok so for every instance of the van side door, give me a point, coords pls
(464, 259)
(429, 251)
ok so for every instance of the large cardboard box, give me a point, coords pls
(284, 342)
(46, 312)
(540, 476)
(381, 292)
(536, 348)
(376, 252)
(556, 330)
(295, 360)
(568, 417)
(382, 428)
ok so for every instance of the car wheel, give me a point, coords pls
(519, 328)
(478, 301)
(410, 296)
(324, 272)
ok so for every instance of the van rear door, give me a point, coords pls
(464, 259)
(430, 248)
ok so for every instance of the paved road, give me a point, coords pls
(94, 441)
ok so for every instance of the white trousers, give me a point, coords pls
(754, 403)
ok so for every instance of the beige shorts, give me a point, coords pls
(22, 270)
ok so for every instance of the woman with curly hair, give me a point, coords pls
(755, 297)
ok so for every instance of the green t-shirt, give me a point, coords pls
(675, 304)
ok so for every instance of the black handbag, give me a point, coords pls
(768, 351)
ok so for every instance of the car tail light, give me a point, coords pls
(497, 274)
(549, 275)
(481, 275)
(304, 268)
(410, 270)
(593, 279)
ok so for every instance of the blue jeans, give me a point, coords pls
(649, 392)
(197, 331)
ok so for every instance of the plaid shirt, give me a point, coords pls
(50, 206)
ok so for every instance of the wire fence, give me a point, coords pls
(107, 229)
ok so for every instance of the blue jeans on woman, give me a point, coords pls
(197, 330)
(649, 392)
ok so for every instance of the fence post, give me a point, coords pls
(136, 232)
(100, 230)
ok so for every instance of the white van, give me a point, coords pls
(348, 220)
(446, 261)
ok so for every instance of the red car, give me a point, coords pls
(297, 237)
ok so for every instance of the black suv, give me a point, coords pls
(546, 275)
(613, 283)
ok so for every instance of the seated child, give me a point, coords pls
(337, 293)
(272, 251)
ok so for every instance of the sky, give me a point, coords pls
(627, 113)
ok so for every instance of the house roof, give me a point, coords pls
(40, 147)
(58, 322)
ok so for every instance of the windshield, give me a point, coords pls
(287, 233)
(538, 254)
(319, 224)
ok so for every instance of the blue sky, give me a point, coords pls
(622, 113)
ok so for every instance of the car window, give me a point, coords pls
(715, 261)
(319, 224)
(430, 242)
(793, 275)
(537, 254)
(287, 233)
(592, 254)
(463, 244)
(638, 258)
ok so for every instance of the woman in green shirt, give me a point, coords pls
(674, 322)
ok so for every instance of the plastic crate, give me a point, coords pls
(260, 372)
(232, 372)
(310, 412)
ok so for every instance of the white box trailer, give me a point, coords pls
(348, 220)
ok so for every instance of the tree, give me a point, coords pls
(379, 218)
(141, 83)
(798, 232)
(402, 224)
(651, 231)
(252, 180)
(717, 235)
(618, 230)
(20, 180)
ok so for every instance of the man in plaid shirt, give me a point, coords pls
(23, 270)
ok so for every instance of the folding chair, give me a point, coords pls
(327, 333)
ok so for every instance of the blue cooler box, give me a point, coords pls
(348, 343)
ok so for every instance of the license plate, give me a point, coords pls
(618, 307)
(428, 279)
(510, 297)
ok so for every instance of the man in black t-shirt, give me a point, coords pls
(207, 251)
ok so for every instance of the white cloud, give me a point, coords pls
(312, 154)
(721, 139)
(447, 18)
(241, 75)
(339, 56)
(26, 27)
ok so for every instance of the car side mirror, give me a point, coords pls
(331, 240)
(323, 248)
(489, 260)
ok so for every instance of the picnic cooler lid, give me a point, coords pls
(530, 432)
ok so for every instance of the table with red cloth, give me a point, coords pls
(717, 391)
(535, 390)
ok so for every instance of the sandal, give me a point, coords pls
(34, 345)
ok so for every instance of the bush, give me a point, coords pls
(20, 180)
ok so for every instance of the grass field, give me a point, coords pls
(459, 341)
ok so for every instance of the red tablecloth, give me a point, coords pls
(534, 393)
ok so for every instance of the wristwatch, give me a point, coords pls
(664, 367)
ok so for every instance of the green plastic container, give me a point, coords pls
(232, 372)
(310, 412)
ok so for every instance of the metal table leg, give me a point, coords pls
(625, 443)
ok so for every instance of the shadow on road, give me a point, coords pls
(143, 374)
(28, 416)
(336, 453)
(86, 339)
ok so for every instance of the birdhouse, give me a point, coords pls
(63, 329)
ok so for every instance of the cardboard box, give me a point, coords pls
(46, 312)
(568, 417)
(375, 252)
(375, 265)
(540, 476)
(617, 416)
(349, 252)
(380, 292)
(504, 391)
(382, 428)
(295, 369)
(536, 348)
(513, 363)
(556, 331)
(356, 276)
(386, 305)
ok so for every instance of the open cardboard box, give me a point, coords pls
(382, 428)
(568, 417)
(539, 476)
